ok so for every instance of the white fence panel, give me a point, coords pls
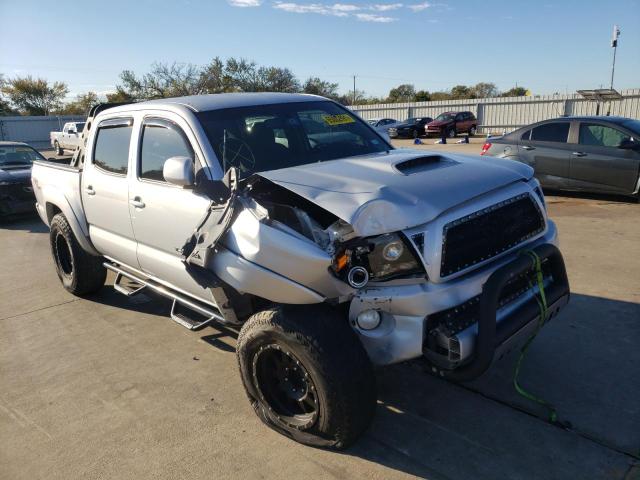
(34, 130)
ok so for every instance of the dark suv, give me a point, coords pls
(411, 128)
(452, 123)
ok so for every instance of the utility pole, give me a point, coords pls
(614, 45)
(354, 89)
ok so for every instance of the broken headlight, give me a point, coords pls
(383, 258)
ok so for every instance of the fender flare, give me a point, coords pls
(56, 201)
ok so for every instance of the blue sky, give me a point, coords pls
(544, 45)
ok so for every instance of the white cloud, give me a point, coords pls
(318, 8)
(385, 7)
(245, 3)
(418, 7)
(344, 7)
(371, 17)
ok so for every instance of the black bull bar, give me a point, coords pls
(490, 337)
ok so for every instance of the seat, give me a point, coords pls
(269, 154)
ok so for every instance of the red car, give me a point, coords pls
(452, 123)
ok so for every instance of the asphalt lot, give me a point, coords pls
(110, 387)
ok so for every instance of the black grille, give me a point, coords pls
(489, 232)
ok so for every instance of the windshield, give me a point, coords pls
(445, 117)
(269, 137)
(16, 155)
(413, 120)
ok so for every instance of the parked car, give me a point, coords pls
(381, 122)
(590, 154)
(333, 250)
(16, 192)
(453, 123)
(410, 128)
(68, 138)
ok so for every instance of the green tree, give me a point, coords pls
(515, 92)
(484, 90)
(34, 96)
(422, 96)
(315, 86)
(440, 96)
(119, 96)
(402, 93)
(81, 105)
(461, 91)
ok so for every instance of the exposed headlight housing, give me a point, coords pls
(383, 257)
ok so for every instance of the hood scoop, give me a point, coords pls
(420, 164)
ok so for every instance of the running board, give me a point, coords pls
(182, 305)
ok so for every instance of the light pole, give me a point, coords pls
(614, 45)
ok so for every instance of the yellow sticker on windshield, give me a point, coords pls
(338, 119)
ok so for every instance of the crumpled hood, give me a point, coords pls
(14, 174)
(374, 196)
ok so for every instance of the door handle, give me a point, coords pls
(528, 147)
(89, 190)
(579, 154)
(136, 202)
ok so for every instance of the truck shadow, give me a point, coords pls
(584, 362)
(28, 222)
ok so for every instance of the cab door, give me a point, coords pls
(164, 215)
(598, 165)
(105, 190)
(545, 148)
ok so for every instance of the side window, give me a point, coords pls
(551, 132)
(600, 135)
(161, 140)
(111, 151)
(459, 117)
(471, 116)
(526, 135)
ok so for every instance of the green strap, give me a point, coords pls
(542, 303)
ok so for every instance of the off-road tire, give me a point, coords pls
(57, 148)
(320, 338)
(80, 272)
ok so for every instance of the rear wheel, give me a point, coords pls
(80, 272)
(472, 131)
(415, 134)
(58, 149)
(306, 375)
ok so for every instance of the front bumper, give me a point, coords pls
(408, 312)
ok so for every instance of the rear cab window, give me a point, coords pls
(557, 132)
(111, 147)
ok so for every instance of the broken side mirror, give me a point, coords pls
(179, 171)
(629, 144)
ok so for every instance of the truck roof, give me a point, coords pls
(218, 101)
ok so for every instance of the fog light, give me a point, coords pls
(368, 320)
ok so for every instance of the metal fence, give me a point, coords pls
(34, 130)
(508, 113)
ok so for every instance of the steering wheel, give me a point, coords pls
(237, 153)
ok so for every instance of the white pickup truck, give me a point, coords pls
(291, 217)
(68, 138)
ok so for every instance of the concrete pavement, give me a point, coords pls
(110, 387)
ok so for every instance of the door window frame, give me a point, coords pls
(112, 122)
(600, 124)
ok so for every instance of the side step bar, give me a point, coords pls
(182, 305)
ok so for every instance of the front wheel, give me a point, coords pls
(415, 134)
(307, 375)
(472, 131)
(80, 272)
(452, 133)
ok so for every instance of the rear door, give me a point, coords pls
(598, 165)
(105, 190)
(545, 147)
(165, 215)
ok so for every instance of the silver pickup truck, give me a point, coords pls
(68, 138)
(335, 252)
